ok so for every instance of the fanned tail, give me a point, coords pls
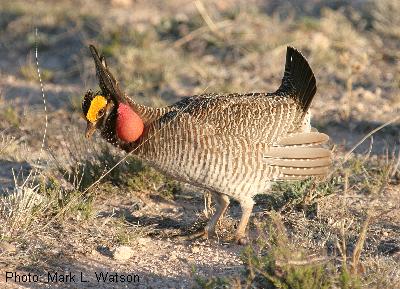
(299, 156)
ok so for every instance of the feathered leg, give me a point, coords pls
(222, 203)
(247, 207)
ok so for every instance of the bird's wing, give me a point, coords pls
(259, 118)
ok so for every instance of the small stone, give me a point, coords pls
(173, 256)
(7, 247)
(143, 241)
(122, 253)
(195, 250)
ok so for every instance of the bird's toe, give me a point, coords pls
(242, 240)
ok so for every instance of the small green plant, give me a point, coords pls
(10, 116)
(75, 103)
(84, 166)
(177, 27)
(29, 72)
(141, 178)
(276, 263)
(299, 194)
(212, 283)
(273, 261)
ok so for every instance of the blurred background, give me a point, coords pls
(161, 51)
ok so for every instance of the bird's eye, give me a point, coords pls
(100, 113)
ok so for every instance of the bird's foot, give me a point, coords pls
(242, 240)
(202, 234)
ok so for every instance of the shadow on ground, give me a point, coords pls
(7, 168)
(349, 133)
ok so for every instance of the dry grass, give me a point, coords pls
(386, 20)
(346, 226)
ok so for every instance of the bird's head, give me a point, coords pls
(109, 102)
(96, 109)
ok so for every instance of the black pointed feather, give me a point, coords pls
(298, 80)
(107, 82)
(87, 99)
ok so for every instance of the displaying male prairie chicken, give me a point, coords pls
(234, 145)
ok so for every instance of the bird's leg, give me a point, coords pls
(222, 203)
(247, 207)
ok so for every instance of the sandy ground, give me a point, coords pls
(160, 258)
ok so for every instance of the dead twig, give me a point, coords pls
(313, 261)
(347, 156)
(207, 19)
(199, 31)
(355, 261)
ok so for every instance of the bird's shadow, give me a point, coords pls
(185, 217)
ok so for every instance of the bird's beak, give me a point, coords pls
(90, 129)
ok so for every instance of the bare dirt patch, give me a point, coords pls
(162, 52)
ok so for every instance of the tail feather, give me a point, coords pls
(300, 163)
(298, 80)
(297, 153)
(297, 178)
(299, 156)
(304, 139)
(304, 172)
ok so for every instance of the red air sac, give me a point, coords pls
(129, 124)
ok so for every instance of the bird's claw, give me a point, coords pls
(242, 240)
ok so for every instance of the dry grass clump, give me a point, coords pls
(9, 117)
(59, 202)
(5, 142)
(274, 261)
(19, 208)
(31, 206)
(337, 234)
(29, 72)
(386, 17)
(80, 164)
(325, 236)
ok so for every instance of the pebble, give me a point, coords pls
(143, 241)
(122, 253)
(7, 247)
(195, 250)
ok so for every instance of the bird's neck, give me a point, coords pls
(121, 118)
(128, 121)
(129, 125)
(148, 114)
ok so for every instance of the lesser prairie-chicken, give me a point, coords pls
(233, 145)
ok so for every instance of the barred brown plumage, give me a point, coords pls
(233, 145)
